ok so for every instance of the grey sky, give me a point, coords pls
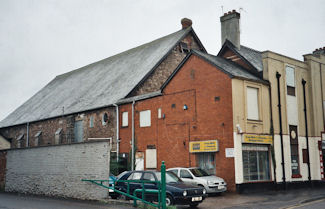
(40, 39)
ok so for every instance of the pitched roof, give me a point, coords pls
(96, 85)
(230, 68)
(252, 56)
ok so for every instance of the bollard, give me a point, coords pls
(163, 184)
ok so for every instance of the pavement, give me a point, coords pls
(298, 198)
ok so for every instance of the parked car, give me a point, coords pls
(111, 181)
(200, 177)
(177, 192)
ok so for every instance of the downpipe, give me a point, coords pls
(117, 133)
(132, 157)
(278, 75)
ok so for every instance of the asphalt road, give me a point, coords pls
(317, 204)
(14, 201)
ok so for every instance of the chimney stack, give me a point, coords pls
(186, 23)
(230, 28)
(319, 51)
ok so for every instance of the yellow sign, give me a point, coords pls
(257, 139)
(204, 146)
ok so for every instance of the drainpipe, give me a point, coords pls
(306, 128)
(272, 133)
(27, 138)
(117, 133)
(278, 75)
(132, 157)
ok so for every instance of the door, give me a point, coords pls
(78, 131)
(206, 161)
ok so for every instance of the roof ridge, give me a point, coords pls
(123, 52)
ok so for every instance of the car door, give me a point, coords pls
(149, 176)
(186, 176)
(135, 185)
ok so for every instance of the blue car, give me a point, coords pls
(177, 192)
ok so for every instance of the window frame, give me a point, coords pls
(259, 111)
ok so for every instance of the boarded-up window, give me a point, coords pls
(20, 140)
(145, 118)
(38, 138)
(304, 156)
(58, 136)
(252, 103)
(125, 119)
(159, 113)
(151, 158)
(91, 122)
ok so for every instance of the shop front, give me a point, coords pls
(256, 153)
(205, 152)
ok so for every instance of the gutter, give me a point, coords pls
(117, 133)
(278, 75)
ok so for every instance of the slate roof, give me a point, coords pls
(251, 55)
(231, 68)
(96, 85)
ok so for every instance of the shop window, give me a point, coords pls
(294, 152)
(290, 80)
(145, 118)
(125, 119)
(206, 161)
(256, 163)
(91, 122)
(252, 104)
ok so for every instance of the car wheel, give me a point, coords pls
(194, 205)
(169, 200)
(114, 195)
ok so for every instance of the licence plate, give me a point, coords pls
(196, 199)
(221, 187)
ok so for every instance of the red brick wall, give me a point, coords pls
(196, 85)
(3, 162)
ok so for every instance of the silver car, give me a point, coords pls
(198, 176)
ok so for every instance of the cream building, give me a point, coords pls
(269, 150)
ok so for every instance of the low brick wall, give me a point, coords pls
(3, 160)
(58, 170)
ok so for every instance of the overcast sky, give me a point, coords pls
(40, 39)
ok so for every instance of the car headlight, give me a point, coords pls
(184, 193)
(204, 191)
(210, 182)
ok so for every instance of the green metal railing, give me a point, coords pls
(161, 191)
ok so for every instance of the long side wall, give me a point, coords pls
(58, 170)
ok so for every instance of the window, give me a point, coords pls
(174, 171)
(145, 118)
(20, 139)
(252, 103)
(78, 131)
(206, 161)
(38, 139)
(125, 119)
(104, 119)
(91, 122)
(185, 174)
(183, 47)
(256, 163)
(135, 176)
(290, 76)
(148, 177)
(294, 151)
(159, 113)
(58, 136)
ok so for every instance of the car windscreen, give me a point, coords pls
(170, 177)
(198, 172)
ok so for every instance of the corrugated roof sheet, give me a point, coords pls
(96, 85)
(228, 66)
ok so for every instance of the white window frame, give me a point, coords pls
(253, 113)
(125, 119)
(145, 118)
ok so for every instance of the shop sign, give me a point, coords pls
(204, 146)
(257, 139)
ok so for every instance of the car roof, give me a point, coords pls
(182, 168)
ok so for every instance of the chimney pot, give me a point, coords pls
(229, 12)
(186, 23)
(225, 13)
(233, 10)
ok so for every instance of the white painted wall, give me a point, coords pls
(58, 170)
(239, 175)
